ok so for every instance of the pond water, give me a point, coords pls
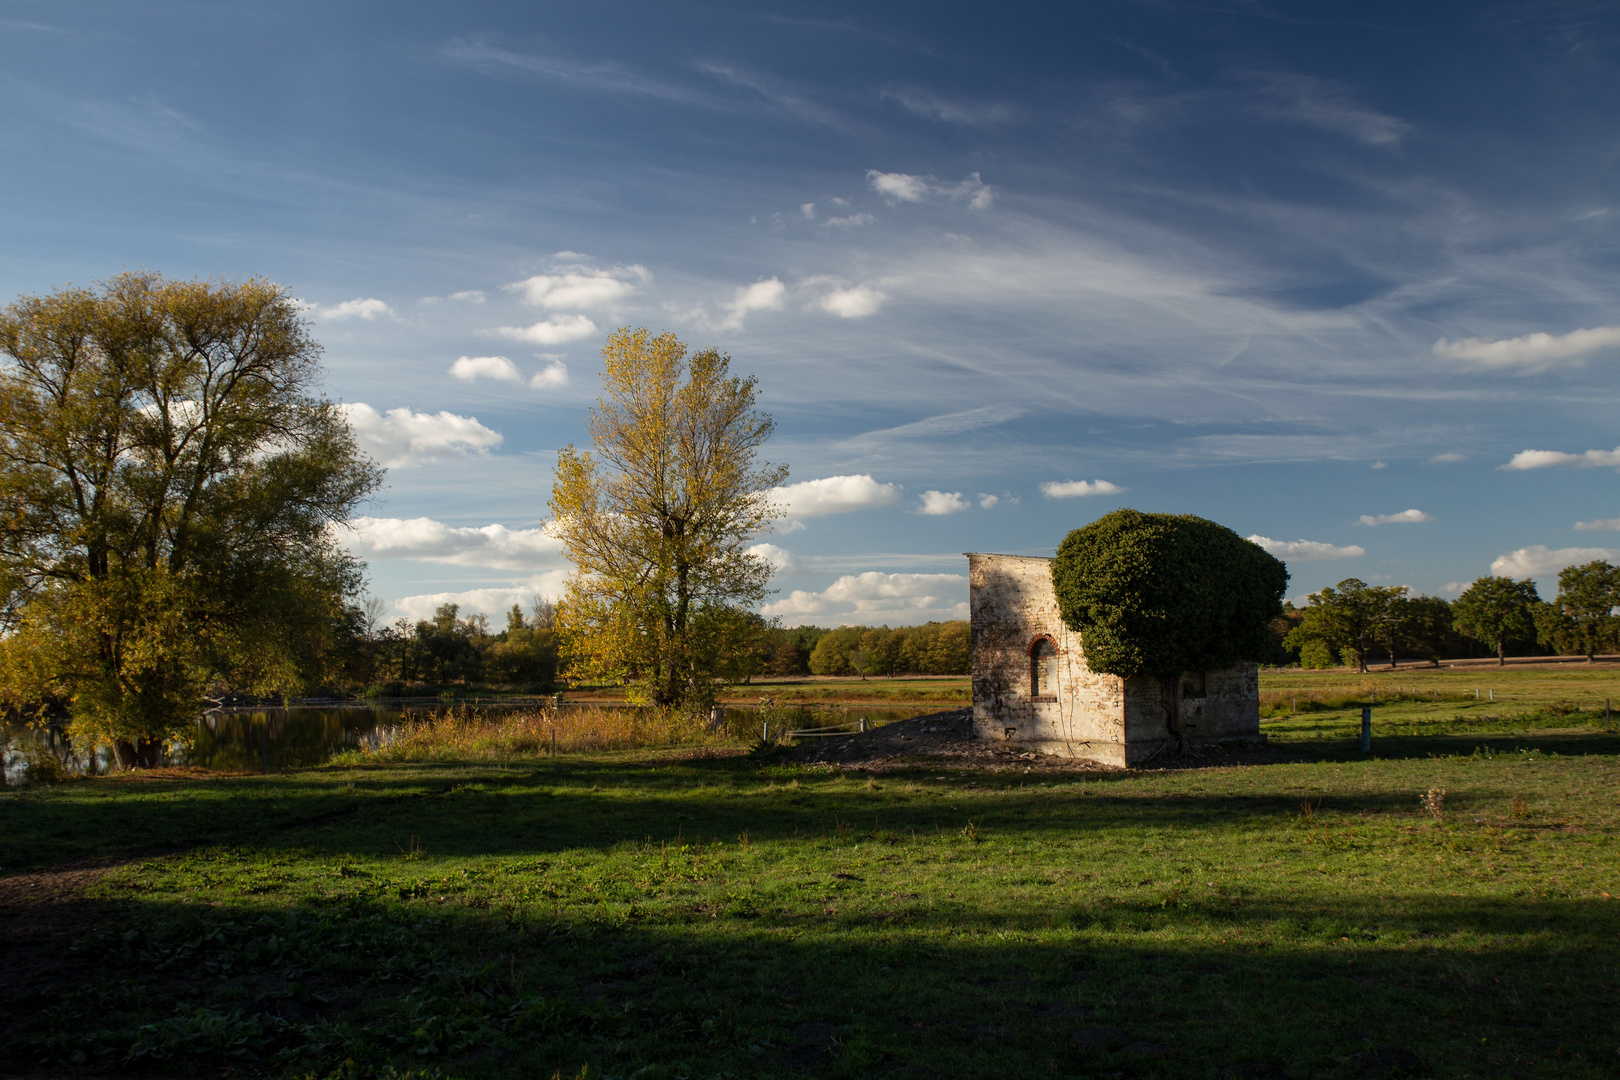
(274, 739)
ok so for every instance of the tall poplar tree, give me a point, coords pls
(658, 516)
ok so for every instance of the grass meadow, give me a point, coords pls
(1444, 908)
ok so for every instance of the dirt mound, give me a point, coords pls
(947, 739)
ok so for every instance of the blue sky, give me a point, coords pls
(1339, 276)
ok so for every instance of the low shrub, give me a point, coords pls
(43, 766)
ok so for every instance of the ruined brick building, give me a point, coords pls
(1031, 684)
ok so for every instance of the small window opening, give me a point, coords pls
(1192, 684)
(1043, 669)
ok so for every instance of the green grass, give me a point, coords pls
(656, 916)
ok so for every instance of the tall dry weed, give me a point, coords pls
(478, 734)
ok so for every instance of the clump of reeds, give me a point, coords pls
(476, 733)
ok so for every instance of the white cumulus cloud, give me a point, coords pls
(900, 186)
(1075, 489)
(904, 187)
(1538, 560)
(939, 503)
(1546, 459)
(852, 221)
(493, 602)
(1307, 550)
(499, 368)
(554, 331)
(1403, 517)
(853, 303)
(775, 557)
(875, 597)
(988, 502)
(834, 495)
(426, 540)
(580, 287)
(368, 309)
(1600, 525)
(1533, 352)
(468, 296)
(551, 376)
(401, 438)
(767, 295)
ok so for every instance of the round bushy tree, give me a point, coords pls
(1160, 594)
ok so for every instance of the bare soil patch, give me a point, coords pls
(947, 739)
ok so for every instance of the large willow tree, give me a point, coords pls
(657, 518)
(169, 479)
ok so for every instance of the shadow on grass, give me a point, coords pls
(1344, 744)
(487, 993)
(547, 805)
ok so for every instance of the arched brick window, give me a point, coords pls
(1043, 668)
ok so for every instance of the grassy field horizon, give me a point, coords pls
(1444, 907)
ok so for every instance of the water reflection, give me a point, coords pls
(275, 739)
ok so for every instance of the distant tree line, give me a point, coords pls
(455, 650)
(452, 649)
(1354, 623)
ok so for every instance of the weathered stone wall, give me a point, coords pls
(1012, 607)
(1099, 717)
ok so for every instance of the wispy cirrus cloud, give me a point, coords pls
(1307, 550)
(1319, 103)
(946, 424)
(851, 221)
(1525, 460)
(603, 76)
(775, 93)
(951, 110)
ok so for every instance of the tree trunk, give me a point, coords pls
(1501, 654)
(1170, 699)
